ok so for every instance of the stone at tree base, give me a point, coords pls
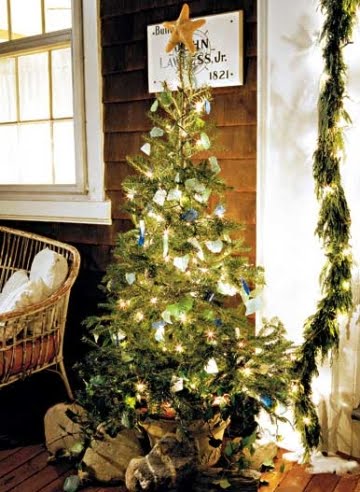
(208, 455)
(263, 452)
(201, 431)
(107, 458)
(208, 481)
(61, 432)
(170, 465)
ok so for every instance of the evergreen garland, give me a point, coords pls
(321, 330)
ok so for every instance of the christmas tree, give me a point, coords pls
(175, 338)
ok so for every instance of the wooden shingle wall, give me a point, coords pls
(126, 102)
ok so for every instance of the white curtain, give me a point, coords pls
(290, 67)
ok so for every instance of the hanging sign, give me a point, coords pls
(218, 59)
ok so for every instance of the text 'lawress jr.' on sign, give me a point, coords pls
(218, 59)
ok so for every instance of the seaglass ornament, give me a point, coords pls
(267, 401)
(214, 165)
(166, 316)
(211, 367)
(130, 278)
(71, 483)
(154, 106)
(181, 262)
(245, 286)
(214, 246)
(118, 337)
(156, 132)
(141, 239)
(252, 305)
(177, 384)
(204, 196)
(207, 106)
(205, 141)
(194, 184)
(146, 148)
(174, 195)
(160, 197)
(226, 289)
(165, 97)
(219, 210)
(159, 326)
(190, 215)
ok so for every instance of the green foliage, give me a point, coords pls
(321, 330)
(174, 332)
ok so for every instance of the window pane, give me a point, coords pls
(25, 18)
(4, 28)
(64, 152)
(9, 172)
(57, 15)
(26, 154)
(34, 153)
(34, 86)
(62, 83)
(7, 90)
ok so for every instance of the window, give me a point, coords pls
(50, 112)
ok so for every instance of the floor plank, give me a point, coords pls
(57, 484)
(275, 476)
(347, 483)
(19, 458)
(297, 478)
(43, 477)
(5, 453)
(357, 488)
(326, 482)
(14, 479)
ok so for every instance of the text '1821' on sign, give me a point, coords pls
(218, 59)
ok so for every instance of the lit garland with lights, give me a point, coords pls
(169, 337)
(321, 330)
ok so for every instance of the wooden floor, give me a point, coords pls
(25, 469)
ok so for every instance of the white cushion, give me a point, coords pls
(22, 296)
(17, 279)
(51, 267)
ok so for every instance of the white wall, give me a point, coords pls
(290, 66)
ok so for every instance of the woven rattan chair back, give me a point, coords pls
(32, 338)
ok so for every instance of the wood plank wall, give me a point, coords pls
(126, 101)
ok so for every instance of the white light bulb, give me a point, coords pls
(139, 316)
(247, 371)
(345, 285)
(199, 106)
(140, 387)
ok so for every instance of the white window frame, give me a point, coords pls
(85, 202)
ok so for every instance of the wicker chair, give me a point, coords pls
(28, 350)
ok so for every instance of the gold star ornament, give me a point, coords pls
(182, 30)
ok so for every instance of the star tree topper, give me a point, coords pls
(182, 30)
